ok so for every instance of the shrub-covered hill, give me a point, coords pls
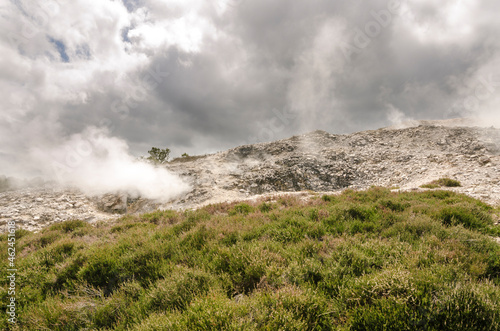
(370, 260)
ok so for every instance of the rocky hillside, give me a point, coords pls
(323, 162)
(401, 158)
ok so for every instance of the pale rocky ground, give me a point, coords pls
(402, 157)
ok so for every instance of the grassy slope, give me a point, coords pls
(371, 260)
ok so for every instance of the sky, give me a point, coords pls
(201, 76)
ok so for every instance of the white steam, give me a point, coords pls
(96, 164)
(397, 118)
(312, 91)
(483, 98)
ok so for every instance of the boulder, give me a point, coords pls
(113, 203)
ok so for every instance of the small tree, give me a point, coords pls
(185, 155)
(158, 156)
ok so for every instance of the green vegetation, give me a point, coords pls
(158, 156)
(370, 260)
(442, 182)
(187, 158)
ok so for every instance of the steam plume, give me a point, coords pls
(97, 163)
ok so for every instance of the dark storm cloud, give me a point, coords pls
(236, 72)
(395, 68)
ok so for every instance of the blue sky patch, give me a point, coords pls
(124, 32)
(61, 48)
(132, 5)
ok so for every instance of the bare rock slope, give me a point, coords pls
(319, 161)
(403, 159)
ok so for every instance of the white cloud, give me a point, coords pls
(447, 22)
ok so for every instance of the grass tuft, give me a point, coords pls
(442, 182)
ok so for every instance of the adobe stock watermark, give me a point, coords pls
(74, 157)
(231, 3)
(269, 130)
(149, 82)
(40, 19)
(11, 272)
(362, 37)
(483, 91)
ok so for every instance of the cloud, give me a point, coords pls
(230, 70)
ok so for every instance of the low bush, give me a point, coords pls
(442, 182)
(371, 260)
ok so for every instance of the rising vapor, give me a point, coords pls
(96, 163)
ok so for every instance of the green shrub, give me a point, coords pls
(469, 217)
(464, 309)
(372, 260)
(241, 208)
(198, 238)
(394, 205)
(100, 270)
(430, 185)
(361, 213)
(327, 198)
(161, 216)
(69, 226)
(291, 308)
(158, 155)
(448, 182)
(178, 290)
(47, 238)
(265, 207)
(386, 315)
(230, 239)
(442, 182)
